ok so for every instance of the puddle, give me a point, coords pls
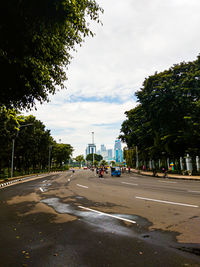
(100, 222)
(44, 187)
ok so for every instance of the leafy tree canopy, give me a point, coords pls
(61, 153)
(167, 117)
(79, 158)
(96, 157)
(37, 38)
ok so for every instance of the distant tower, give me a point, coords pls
(90, 149)
(103, 148)
(118, 151)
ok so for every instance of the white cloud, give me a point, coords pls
(74, 122)
(138, 37)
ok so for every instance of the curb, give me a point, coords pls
(169, 177)
(3, 184)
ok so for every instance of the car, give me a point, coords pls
(85, 167)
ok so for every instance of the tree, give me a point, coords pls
(103, 163)
(61, 153)
(112, 163)
(80, 159)
(166, 120)
(96, 163)
(9, 127)
(170, 100)
(96, 157)
(37, 38)
(32, 145)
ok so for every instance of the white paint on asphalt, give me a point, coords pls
(134, 178)
(41, 189)
(168, 202)
(168, 182)
(129, 183)
(82, 185)
(106, 214)
(194, 192)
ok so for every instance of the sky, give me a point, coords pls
(137, 38)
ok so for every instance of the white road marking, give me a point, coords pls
(82, 185)
(106, 214)
(167, 182)
(128, 183)
(41, 189)
(168, 202)
(134, 178)
(194, 192)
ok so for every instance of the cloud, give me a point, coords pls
(74, 122)
(137, 38)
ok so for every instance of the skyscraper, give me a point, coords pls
(90, 149)
(118, 153)
(110, 154)
(103, 148)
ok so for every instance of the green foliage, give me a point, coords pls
(32, 141)
(96, 157)
(61, 153)
(96, 163)
(80, 158)
(129, 156)
(37, 39)
(167, 117)
(103, 163)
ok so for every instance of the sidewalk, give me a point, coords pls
(170, 176)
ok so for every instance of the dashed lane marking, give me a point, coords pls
(168, 202)
(129, 183)
(168, 182)
(82, 185)
(106, 214)
(194, 192)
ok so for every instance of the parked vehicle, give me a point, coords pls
(116, 171)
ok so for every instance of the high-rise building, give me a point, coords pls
(103, 148)
(90, 149)
(110, 154)
(118, 153)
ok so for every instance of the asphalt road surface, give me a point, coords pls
(79, 219)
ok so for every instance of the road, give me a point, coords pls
(67, 219)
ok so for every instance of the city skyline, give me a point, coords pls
(108, 154)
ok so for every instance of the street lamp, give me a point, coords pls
(93, 148)
(13, 148)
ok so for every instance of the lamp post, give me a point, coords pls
(13, 148)
(49, 161)
(93, 148)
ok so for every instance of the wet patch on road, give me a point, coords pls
(102, 223)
